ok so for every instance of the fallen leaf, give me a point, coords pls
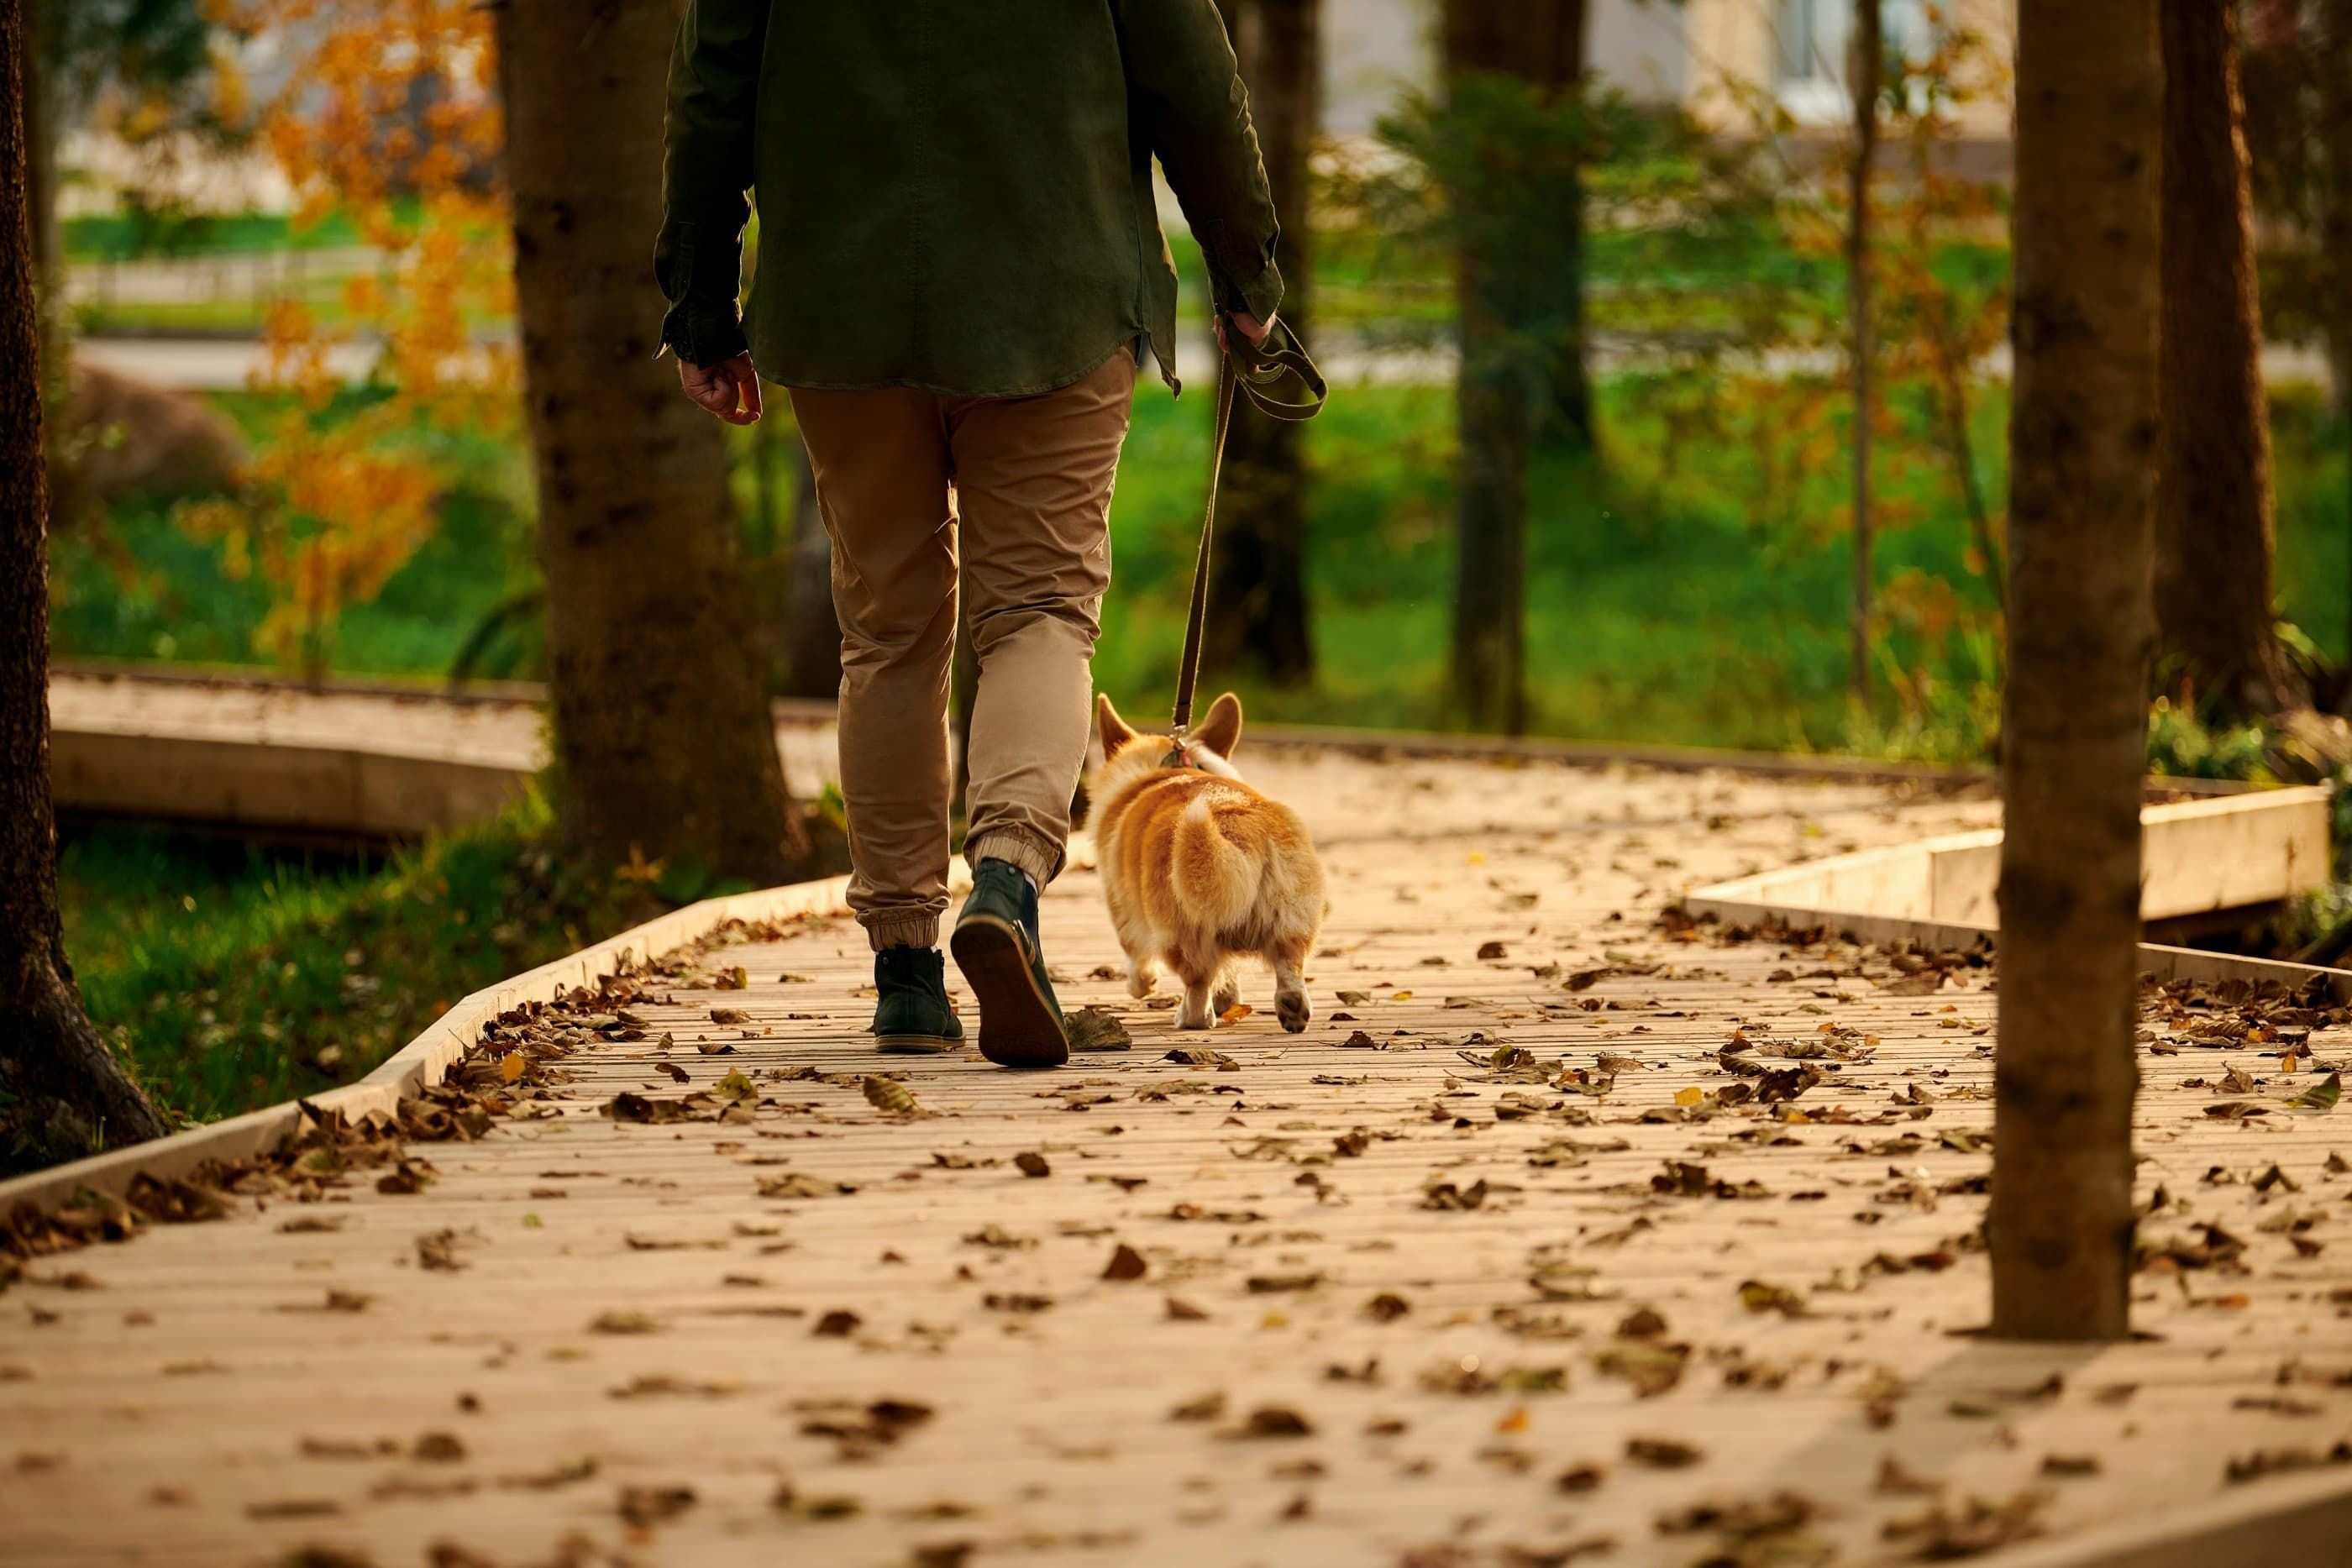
(645, 1506)
(1096, 1028)
(1126, 1264)
(888, 1095)
(2321, 1096)
(1272, 1421)
(1207, 1407)
(1662, 1453)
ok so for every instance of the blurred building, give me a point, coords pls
(1716, 56)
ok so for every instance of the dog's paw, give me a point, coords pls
(1228, 997)
(1293, 1008)
(1194, 1021)
(1141, 980)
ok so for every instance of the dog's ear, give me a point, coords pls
(1115, 730)
(1221, 731)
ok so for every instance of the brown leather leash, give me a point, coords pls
(1255, 370)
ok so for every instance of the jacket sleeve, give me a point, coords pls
(1186, 92)
(707, 160)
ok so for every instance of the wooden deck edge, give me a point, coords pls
(2204, 856)
(1372, 742)
(2158, 961)
(2291, 1522)
(424, 1060)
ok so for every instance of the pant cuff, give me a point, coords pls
(901, 928)
(1041, 860)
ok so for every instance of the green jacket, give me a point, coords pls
(954, 194)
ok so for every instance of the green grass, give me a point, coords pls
(135, 236)
(229, 977)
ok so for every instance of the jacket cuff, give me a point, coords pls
(700, 276)
(1261, 295)
(1243, 277)
(704, 332)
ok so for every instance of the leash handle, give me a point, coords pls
(1254, 370)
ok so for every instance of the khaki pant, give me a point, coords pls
(1026, 483)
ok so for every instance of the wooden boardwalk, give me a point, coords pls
(1388, 1306)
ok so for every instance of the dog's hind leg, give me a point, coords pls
(1142, 974)
(1198, 971)
(1227, 993)
(1290, 1003)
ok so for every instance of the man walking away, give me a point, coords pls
(960, 269)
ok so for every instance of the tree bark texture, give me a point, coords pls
(2215, 623)
(1259, 617)
(2083, 445)
(1864, 69)
(662, 739)
(62, 1095)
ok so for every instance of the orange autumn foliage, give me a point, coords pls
(390, 119)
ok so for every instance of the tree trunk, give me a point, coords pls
(2335, 217)
(61, 1094)
(1495, 409)
(1258, 612)
(1555, 48)
(1866, 60)
(2217, 627)
(2082, 439)
(811, 640)
(41, 108)
(663, 741)
(1501, 404)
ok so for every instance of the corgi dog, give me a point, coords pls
(1200, 869)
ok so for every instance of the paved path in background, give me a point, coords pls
(221, 364)
(1357, 1296)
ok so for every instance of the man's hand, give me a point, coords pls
(1247, 325)
(730, 388)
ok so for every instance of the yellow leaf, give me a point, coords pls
(1400, 997)
(1235, 1013)
(1514, 1423)
(1690, 1096)
(512, 1066)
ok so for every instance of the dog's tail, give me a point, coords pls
(1216, 879)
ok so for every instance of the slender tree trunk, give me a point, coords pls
(1554, 31)
(41, 110)
(1259, 617)
(1506, 395)
(1866, 61)
(1495, 409)
(662, 739)
(811, 645)
(2083, 440)
(2217, 627)
(61, 1094)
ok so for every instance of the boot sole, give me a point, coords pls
(915, 1044)
(1018, 1028)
